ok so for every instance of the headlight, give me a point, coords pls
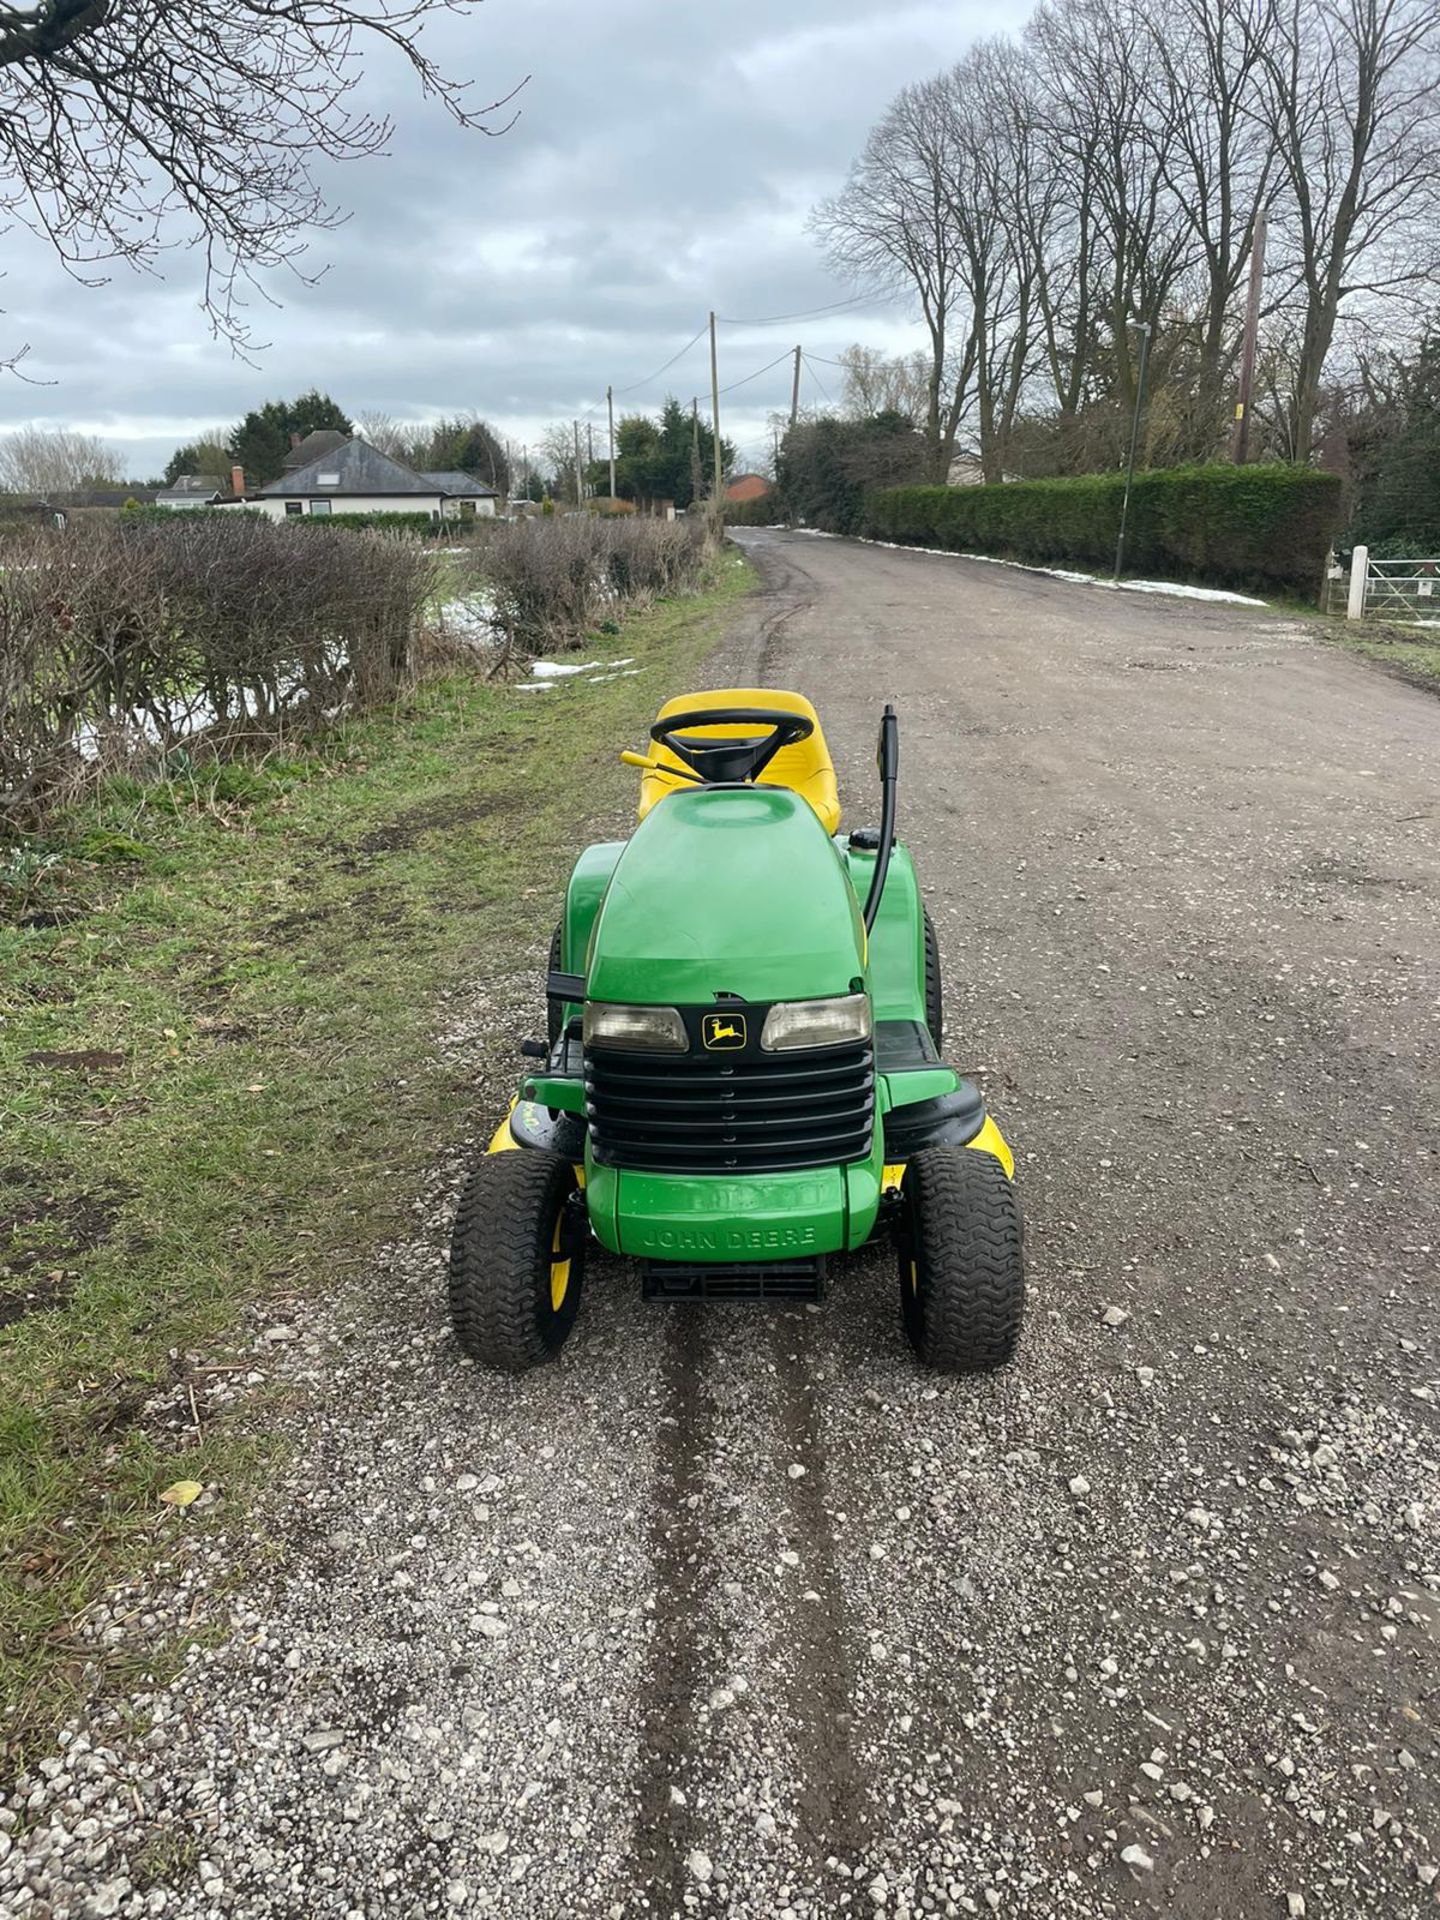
(817, 1023)
(655, 1029)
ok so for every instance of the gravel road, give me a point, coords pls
(740, 1613)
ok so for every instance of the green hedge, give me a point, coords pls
(764, 512)
(1267, 527)
(410, 523)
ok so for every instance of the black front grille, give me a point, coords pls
(719, 1113)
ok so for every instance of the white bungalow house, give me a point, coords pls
(354, 477)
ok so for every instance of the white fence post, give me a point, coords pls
(1359, 570)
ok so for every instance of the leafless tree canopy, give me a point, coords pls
(1045, 195)
(41, 461)
(130, 125)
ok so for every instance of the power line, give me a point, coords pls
(814, 313)
(757, 373)
(621, 391)
(816, 378)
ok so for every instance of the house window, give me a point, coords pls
(319, 506)
(467, 509)
(294, 507)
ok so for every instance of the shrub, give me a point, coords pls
(1263, 526)
(767, 511)
(827, 467)
(129, 637)
(554, 579)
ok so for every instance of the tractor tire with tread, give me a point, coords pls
(962, 1267)
(516, 1229)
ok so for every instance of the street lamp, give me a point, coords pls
(1144, 329)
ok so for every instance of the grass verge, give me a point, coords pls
(218, 1083)
(1411, 655)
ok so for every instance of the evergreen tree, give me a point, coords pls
(468, 444)
(655, 461)
(1399, 497)
(261, 441)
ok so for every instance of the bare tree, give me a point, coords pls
(44, 460)
(891, 227)
(1099, 98)
(876, 382)
(1353, 102)
(126, 128)
(387, 434)
(1220, 161)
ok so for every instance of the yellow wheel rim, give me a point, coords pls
(914, 1277)
(559, 1268)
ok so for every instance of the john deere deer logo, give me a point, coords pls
(722, 1030)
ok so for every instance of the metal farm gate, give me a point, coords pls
(1407, 591)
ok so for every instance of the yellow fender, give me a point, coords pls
(989, 1140)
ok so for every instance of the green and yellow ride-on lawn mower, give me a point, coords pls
(742, 1075)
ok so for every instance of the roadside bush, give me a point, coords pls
(553, 579)
(828, 467)
(1262, 527)
(764, 512)
(123, 640)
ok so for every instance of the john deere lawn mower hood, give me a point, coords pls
(727, 891)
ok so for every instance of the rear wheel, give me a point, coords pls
(934, 992)
(962, 1266)
(517, 1259)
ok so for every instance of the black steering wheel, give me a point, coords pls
(726, 762)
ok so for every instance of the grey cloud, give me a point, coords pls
(664, 161)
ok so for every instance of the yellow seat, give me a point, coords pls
(804, 767)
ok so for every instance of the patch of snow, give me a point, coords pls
(558, 670)
(473, 619)
(1173, 589)
(1178, 592)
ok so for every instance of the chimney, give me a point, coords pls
(296, 438)
(237, 482)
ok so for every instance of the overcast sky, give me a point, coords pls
(665, 159)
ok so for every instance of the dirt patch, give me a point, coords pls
(44, 1294)
(436, 816)
(88, 1060)
(56, 1229)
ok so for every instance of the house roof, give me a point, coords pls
(353, 466)
(101, 496)
(323, 440)
(463, 485)
(190, 486)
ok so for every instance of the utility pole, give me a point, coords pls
(579, 480)
(795, 392)
(610, 403)
(717, 505)
(1240, 439)
(1145, 329)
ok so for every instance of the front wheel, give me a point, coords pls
(517, 1259)
(962, 1266)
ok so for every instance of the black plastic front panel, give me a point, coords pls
(729, 1107)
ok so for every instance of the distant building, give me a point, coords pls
(748, 486)
(351, 476)
(191, 490)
